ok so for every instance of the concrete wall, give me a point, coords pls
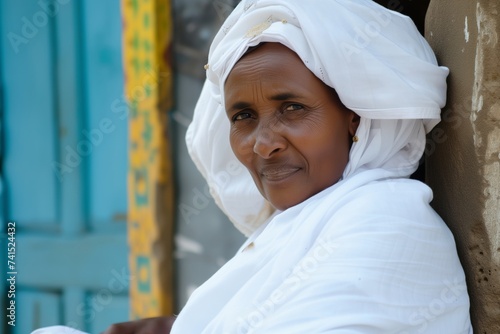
(463, 160)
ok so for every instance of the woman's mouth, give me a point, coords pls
(278, 174)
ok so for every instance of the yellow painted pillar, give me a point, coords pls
(147, 34)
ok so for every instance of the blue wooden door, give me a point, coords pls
(64, 161)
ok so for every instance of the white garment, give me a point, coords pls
(57, 330)
(366, 255)
(363, 256)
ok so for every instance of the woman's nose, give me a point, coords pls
(268, 142)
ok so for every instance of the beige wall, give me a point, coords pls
(463, 152)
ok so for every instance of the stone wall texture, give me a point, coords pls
(463, 151)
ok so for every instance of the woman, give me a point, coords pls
(328, 103)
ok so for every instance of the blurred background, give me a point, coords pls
(112, 220)
(95, 99)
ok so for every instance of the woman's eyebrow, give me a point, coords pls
(238, 106)
(284, 96)
(277, 97)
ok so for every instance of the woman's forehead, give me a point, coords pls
(266, 61)
(270, 51)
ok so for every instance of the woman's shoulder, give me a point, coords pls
(396, 190)
(391, 210)
(397, 198)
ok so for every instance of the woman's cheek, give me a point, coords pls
(241, 144)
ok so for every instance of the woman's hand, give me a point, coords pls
(160, 325)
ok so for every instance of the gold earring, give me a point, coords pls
(355, 139)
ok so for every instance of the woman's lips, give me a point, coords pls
(278, 174)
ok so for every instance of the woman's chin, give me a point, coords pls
(283, 203)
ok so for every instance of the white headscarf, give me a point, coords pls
(376, 60)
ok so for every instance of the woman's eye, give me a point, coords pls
(293, 107)
(241, 116)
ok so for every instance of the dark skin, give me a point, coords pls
(288, 128)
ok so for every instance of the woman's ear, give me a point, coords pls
(353, 123)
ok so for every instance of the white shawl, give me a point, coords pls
(368, 254)
(363, 256)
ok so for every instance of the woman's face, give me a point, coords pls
(288, 128)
